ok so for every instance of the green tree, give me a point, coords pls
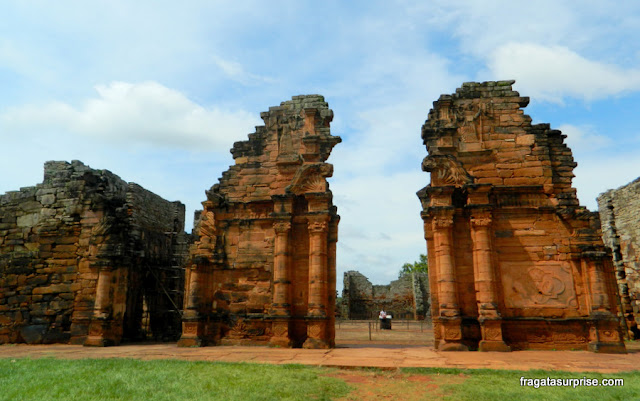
(420, 266)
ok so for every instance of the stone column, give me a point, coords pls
(281, 306)
(331, 270)
(317, 306)
(449, 313)
(595, 270)
(484, 271)
(427, 220)
(605, 333)
(99, 335)
(192, 328)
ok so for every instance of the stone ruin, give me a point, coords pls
(404, 298)
(88, 258)
(516, 262)
(620, 217)
(262, 268)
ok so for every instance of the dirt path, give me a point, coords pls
(381, 356)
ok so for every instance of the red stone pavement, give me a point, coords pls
(388, 356)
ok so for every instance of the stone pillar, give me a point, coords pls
(449, 313)
(433, 278)
(317, 308)
(281, 306)
(604, 333)
(99, 335)
(331, 271)
(484, 272)
(595, 271)
(192, 327)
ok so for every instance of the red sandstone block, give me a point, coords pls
(525, 140)
(483, 167)
(549, 224)
(504, 144)
(510, 166)
(515, 155)
(490, 180)
(529, 172)
(535, 163)
(483, 173)
(55, 288)
(522, 181)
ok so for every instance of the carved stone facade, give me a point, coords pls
(404, 298)
(262, 269)
(515, 261)
(620, 217)
(88, 258)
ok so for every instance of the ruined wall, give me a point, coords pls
(405, 298)
(70, 250)
(620, 216)
(516, 262)
(262, 269)
(159, 248)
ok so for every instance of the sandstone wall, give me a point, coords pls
(620, 217)
(405, 298)
(262, 269)
(56, 241)
(516, 261)
(159, 248)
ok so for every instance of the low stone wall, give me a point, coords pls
(405, 298)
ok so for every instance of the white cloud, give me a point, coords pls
(603, 163)
(147, 113)
(381, 228)
(584, 138)
(598, 173)
(552, 72)
(237, 72)
(380, 67)
(590, 27)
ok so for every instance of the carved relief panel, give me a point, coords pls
(540, 285)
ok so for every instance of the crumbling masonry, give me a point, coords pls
(620, 216)
(88, 258)
(262, 269)
(404, 298)
(515, 262)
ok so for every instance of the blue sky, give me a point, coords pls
(158, 91)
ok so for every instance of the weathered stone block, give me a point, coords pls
(48, 199)
(33, 334)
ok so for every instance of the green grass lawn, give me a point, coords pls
(127, 379)
(495, 385)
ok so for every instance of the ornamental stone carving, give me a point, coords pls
(282, 227)
(481, 219)
(318, 226)
(446, 170)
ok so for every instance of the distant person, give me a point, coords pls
(383, 314)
